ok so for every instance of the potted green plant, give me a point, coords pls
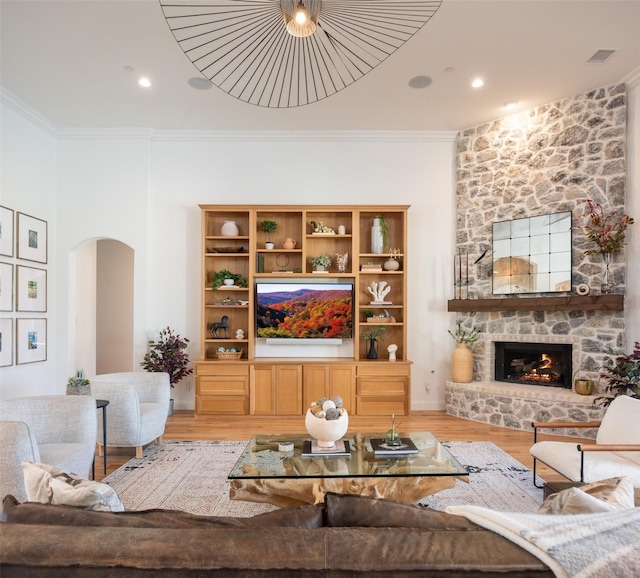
(462, 358)
(268, 227)
(372, 337)
(78, 384)
(622, 374)
(168, 355)
(320, 262)
(220, 276)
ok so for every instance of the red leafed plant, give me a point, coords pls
(606, 230)
(622, 374)
(168, 355)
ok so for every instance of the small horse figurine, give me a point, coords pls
(222, 324)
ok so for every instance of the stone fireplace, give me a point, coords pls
(550, 159)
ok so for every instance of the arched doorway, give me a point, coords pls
(104, 307)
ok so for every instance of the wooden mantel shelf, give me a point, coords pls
(565, 303)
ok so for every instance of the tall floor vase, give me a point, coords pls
(462, 364)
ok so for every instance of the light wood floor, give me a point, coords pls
(182, 425)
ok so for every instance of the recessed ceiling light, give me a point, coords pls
(145, 82)
(199, 83)
(510, 105)
(449, 69)
(420, 81)
(477, 83)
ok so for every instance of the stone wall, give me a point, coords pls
(547, 160)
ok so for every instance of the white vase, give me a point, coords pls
(391, 265)
(377, 244)
(327, 432)
(230, 229)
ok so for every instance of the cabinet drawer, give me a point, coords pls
(222, 369)
(222, 405)
(382, 406)
(382, 385)
(222, 385)
(376, 369)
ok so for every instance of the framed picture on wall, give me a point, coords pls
(31, 340)
(6, 232)
(6, 342)
(6, 287)
(31, 289)
(32, 238)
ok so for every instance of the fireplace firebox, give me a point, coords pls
(534, 363)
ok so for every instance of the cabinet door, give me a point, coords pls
(262, 390)
(315, 384)
(288, 389)
(342, 383)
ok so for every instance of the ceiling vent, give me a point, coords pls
(601, 56)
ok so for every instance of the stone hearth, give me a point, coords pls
(516, 406)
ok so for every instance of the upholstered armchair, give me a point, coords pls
(616, 451)
(58, 430)
(138, 407)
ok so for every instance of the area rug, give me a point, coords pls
(192, 476)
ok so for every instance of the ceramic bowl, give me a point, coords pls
(229, 282)
(326, 431)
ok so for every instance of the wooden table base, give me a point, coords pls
(285, 492)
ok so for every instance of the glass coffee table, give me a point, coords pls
(268, 471)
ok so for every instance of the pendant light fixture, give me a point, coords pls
(301, 18)
(246, 49)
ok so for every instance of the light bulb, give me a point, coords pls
(301, 14)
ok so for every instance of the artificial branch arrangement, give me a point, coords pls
(606, 230)
(168, 355)
(462, 336)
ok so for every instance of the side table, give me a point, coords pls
(102, 404)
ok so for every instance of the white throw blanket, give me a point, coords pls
(604, 545)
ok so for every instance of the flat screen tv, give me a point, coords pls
(304, 310)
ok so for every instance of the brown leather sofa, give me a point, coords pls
(348, 536)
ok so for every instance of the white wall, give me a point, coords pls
(632, 298)
(28, 160)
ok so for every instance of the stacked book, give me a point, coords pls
(370, 267)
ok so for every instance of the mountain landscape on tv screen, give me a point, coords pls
(305, 313)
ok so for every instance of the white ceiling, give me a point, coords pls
(67, 58)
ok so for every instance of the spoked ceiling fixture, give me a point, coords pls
(288, 53)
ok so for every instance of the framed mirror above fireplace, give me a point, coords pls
(532, 255)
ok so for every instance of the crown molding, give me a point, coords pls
(632, 80)
(23, 109)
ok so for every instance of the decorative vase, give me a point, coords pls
(607, 279)
(377, 244)
(289, 243)
(462, 364)
(326, 431)
(230, 229)
(391, 265)
(373, 349)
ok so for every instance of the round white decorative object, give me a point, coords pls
(326, 431)
(229, 282)
(329, 404)
(583, 289)
(391, 265)
(230, 229)
(285, 446)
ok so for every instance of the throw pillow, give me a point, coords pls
(50, 485)
(604, 496)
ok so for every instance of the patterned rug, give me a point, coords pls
(192, 476)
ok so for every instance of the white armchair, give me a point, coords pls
(616, 451)
(138, 407)
(58, 430)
